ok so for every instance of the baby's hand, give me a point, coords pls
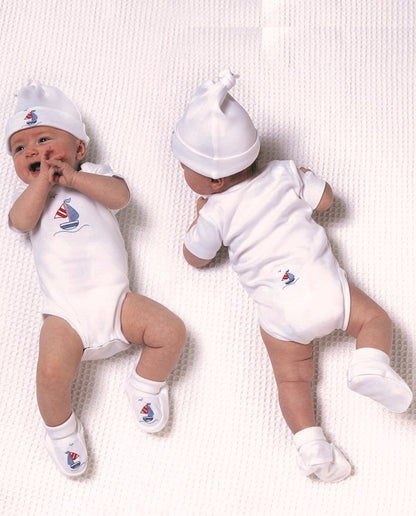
(60, 172)
(44, 171)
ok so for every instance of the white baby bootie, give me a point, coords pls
(66, 445)
(150, 402)
(370, 374)
(319, 457)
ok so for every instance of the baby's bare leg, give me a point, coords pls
(293, 369)
(144, 321)
(369, 323)
(60, 353)
(370, 373)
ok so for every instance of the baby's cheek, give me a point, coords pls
(59, 157)
(51, 154)
(47, 154)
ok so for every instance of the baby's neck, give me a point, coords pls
(239, 177)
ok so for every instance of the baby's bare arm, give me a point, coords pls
(326, 199)
(111, 191)
(201, 201)
(28, 207)
(194, 260)
(189, 257)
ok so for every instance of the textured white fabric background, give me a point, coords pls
(330, 84)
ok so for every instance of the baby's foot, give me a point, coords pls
(370, 374)
(66, 446)
(149, 401)
(317, 456)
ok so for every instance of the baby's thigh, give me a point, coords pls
(291, 361)
(145, 321)
(60, 347)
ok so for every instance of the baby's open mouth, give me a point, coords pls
(35, 167)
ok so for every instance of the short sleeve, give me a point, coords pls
(313, 188)
(203, 239)
(102, 169)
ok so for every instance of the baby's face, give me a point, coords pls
(32, 146)
(200, 184)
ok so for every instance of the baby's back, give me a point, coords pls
(267, 224)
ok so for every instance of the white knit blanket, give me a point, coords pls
(329, 84)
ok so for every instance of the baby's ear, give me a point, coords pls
(81, 150)
(217, 184)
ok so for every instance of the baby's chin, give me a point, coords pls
(29, 177)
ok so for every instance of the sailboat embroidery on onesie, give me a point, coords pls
(66, 211)
(288, 278)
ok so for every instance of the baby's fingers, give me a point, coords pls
(45, 169)
(54, 175)
(55, 162)
(52, 172)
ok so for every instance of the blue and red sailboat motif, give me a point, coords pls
(288, 278)
(66, 211)
(31, 118)
(73, 459)
(147, 413)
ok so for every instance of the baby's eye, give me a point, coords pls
(43, 139)
(19, 148)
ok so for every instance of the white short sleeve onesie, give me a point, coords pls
(81, 262)
(281, 255)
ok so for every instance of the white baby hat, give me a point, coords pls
(39, 105)
(216, 136)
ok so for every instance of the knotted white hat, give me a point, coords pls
(216, 136)
(38, 104)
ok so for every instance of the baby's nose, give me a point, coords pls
(31, 150)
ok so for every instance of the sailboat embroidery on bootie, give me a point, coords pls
(147, 414)
(73, 459)
(66, 211)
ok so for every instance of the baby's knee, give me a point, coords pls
(52, 373)
(176, 332)
(166, 331)
(379, 320)
(384, 318)
(296, 371)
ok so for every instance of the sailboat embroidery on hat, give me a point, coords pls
(66, 211)
(31, 118)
